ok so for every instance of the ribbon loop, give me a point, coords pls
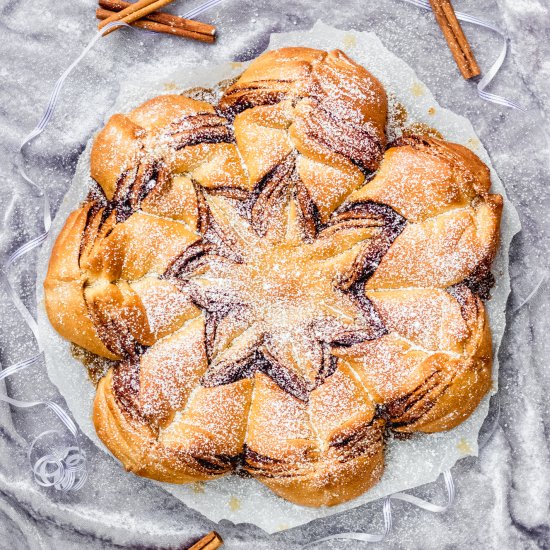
(387, 513)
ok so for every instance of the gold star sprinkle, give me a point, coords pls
(417, 89)
(464, 447)
(234, 504)
(349, 41)
(198, 487)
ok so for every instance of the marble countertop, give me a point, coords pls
(503, 497)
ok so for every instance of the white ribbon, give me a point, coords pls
(531, 295)
(63, 469)
(492, 72)
(191, 14)
(387, 513)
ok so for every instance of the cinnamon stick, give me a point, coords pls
(163, 18)
(455, 37)
(134, 12)
(159, 27)
(208, 542)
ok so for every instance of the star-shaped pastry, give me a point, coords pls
(278, 287)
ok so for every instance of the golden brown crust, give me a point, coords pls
(321, 453)
(431, 370)
(201, 443)
(274, 310)
(115, 150)
(64, 289)
(442, 189)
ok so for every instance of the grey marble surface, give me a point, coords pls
(503, 497)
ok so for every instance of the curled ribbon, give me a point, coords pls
(387, 513)
(65, 469)
(492, 72)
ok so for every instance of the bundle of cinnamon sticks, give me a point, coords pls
(145, 15)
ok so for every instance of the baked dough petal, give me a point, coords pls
(64, 288)
(203, 441)
(443, 250)
(432, 368)
(321, 453)
(115, 150)
(442, 190)
(210, 432)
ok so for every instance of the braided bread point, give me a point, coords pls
(318, 113)
(153, 416)
(321, 453)
(101, 291)
(279, 290)
(64, 288)
(442, 190)
(431, 370)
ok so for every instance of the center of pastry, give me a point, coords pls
(283, 283)
(279, 301)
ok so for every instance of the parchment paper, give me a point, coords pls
(409, 463)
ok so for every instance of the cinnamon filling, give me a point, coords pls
(411, 407)
(242, 98)
(126, 386)
(357, 214)
(359, 143)
(201, 128)
(269, 193)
